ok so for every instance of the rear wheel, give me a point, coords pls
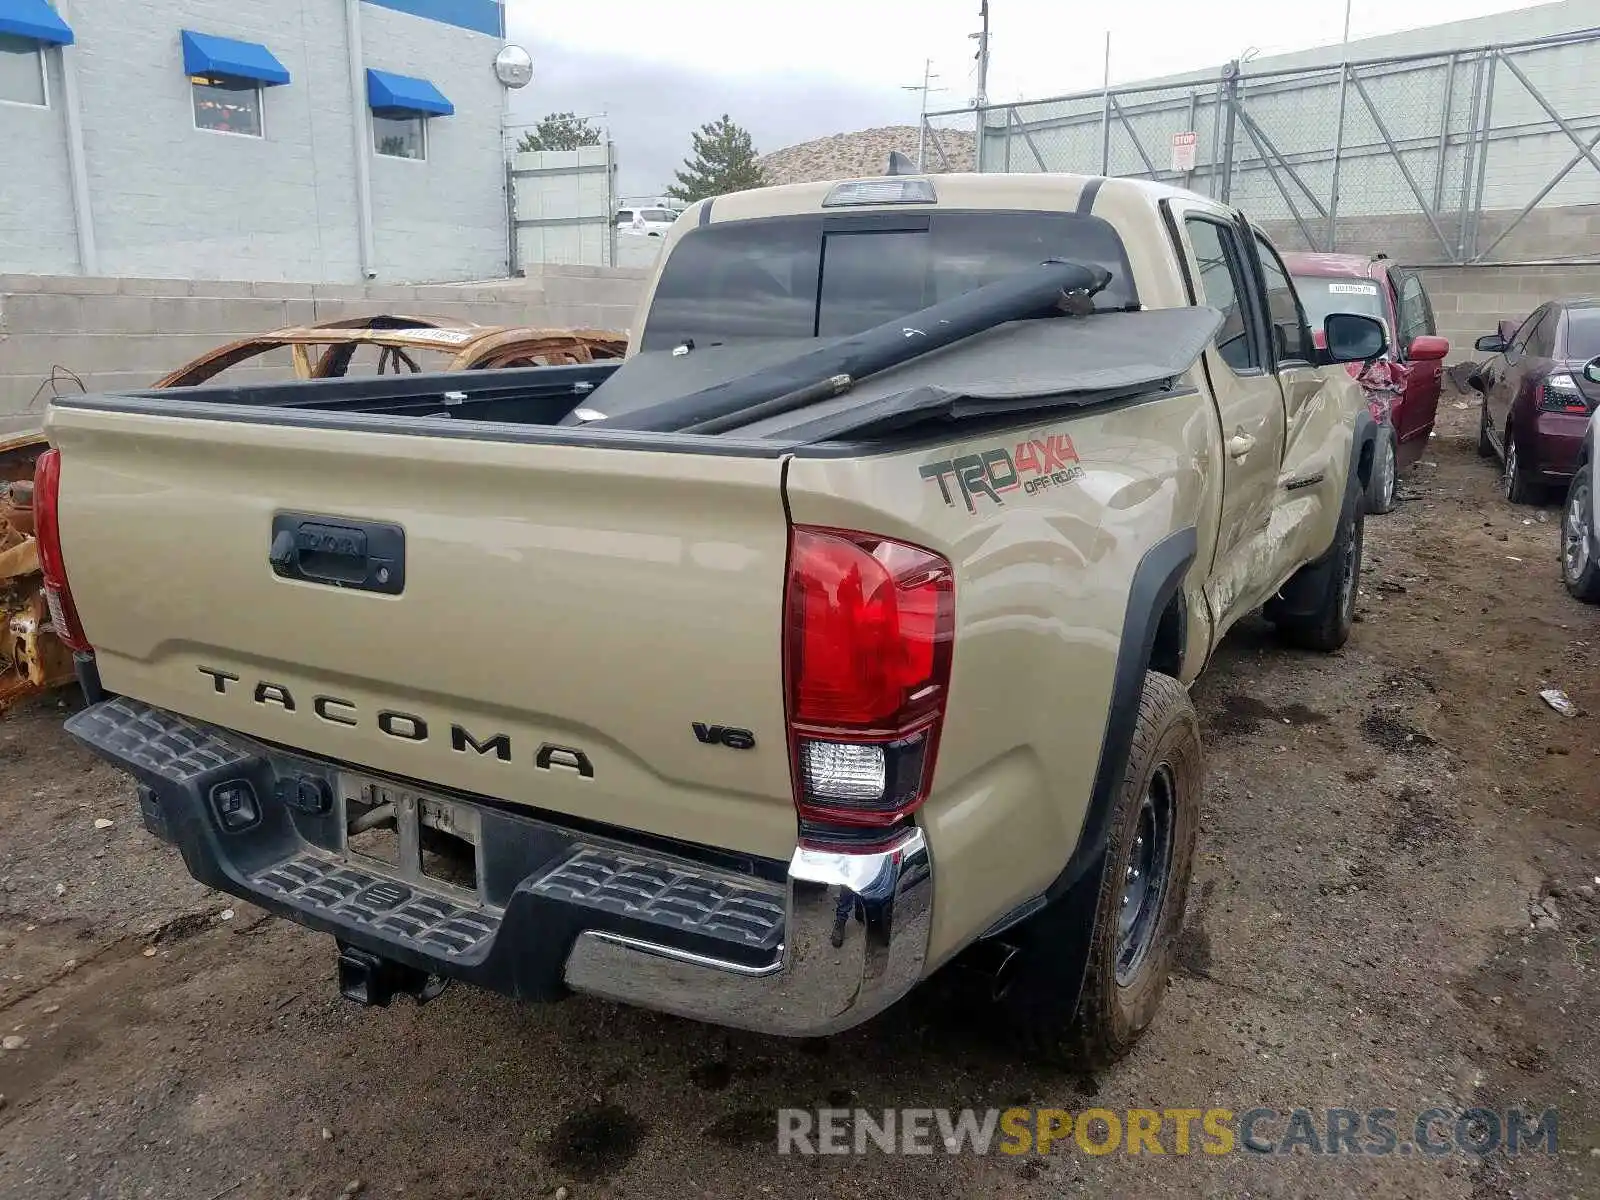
(1518, 488)
(1385, 473)
(1579, 569)
(1138, 914)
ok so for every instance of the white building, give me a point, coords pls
(324, 141)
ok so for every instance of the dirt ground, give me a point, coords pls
(1395, 908)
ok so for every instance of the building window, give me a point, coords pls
(401, 108)
(22, 71)
(227, 105)
(400, 137)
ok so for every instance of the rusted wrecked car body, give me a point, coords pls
(31, 657)
(327, 351)
(33, 661)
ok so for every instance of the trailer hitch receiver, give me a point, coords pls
(372, 981)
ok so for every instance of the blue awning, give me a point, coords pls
(34, 20)
(224, 58)
(402, 95)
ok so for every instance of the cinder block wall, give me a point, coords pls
(126, 333)
(1470, 301)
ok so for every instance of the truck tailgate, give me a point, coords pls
(568, 614)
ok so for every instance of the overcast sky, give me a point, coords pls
(792, 70)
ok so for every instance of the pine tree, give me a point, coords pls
(560, 131)
(724, 160)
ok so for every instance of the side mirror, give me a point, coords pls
(1427, 348)
(1491, 343)
(1591, 370)
(1351, 337)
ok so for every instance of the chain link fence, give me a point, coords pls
(1459, 156)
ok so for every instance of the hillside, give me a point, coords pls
(866, 152)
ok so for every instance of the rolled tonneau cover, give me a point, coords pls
(1038, 291)
(1021, 364)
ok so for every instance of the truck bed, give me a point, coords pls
(656, 398)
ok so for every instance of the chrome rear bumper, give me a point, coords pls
(855, 940)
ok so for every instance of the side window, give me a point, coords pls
(1543, 342)
(1216, 250)
(400, 137)
(227, 106)
(1431, 325)
(1283, 306)
(1416, 316)
(1519, 343)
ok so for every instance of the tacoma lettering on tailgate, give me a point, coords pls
(407, 727)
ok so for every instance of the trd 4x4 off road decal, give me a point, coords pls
(1032, 466)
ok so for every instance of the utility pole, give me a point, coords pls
(1331, 237)
(924, 87)
(982, 38)
(1105, 112)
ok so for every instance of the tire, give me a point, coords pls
(1326, 590)
(1150, 840)
(1515, 483)
(1485, 444)
(1580, 570)
(1385, 473)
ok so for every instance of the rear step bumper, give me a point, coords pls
(812, 949)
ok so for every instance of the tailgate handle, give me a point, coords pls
(366, 556)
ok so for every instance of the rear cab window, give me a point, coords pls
(832, 275)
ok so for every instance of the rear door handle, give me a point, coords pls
(1240, 444)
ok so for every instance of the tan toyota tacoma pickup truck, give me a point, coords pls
(840, 632)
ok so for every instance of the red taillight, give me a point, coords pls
(870, 623)
(47, 528)
(1559, 393)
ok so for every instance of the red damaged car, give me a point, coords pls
(1403, 386)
